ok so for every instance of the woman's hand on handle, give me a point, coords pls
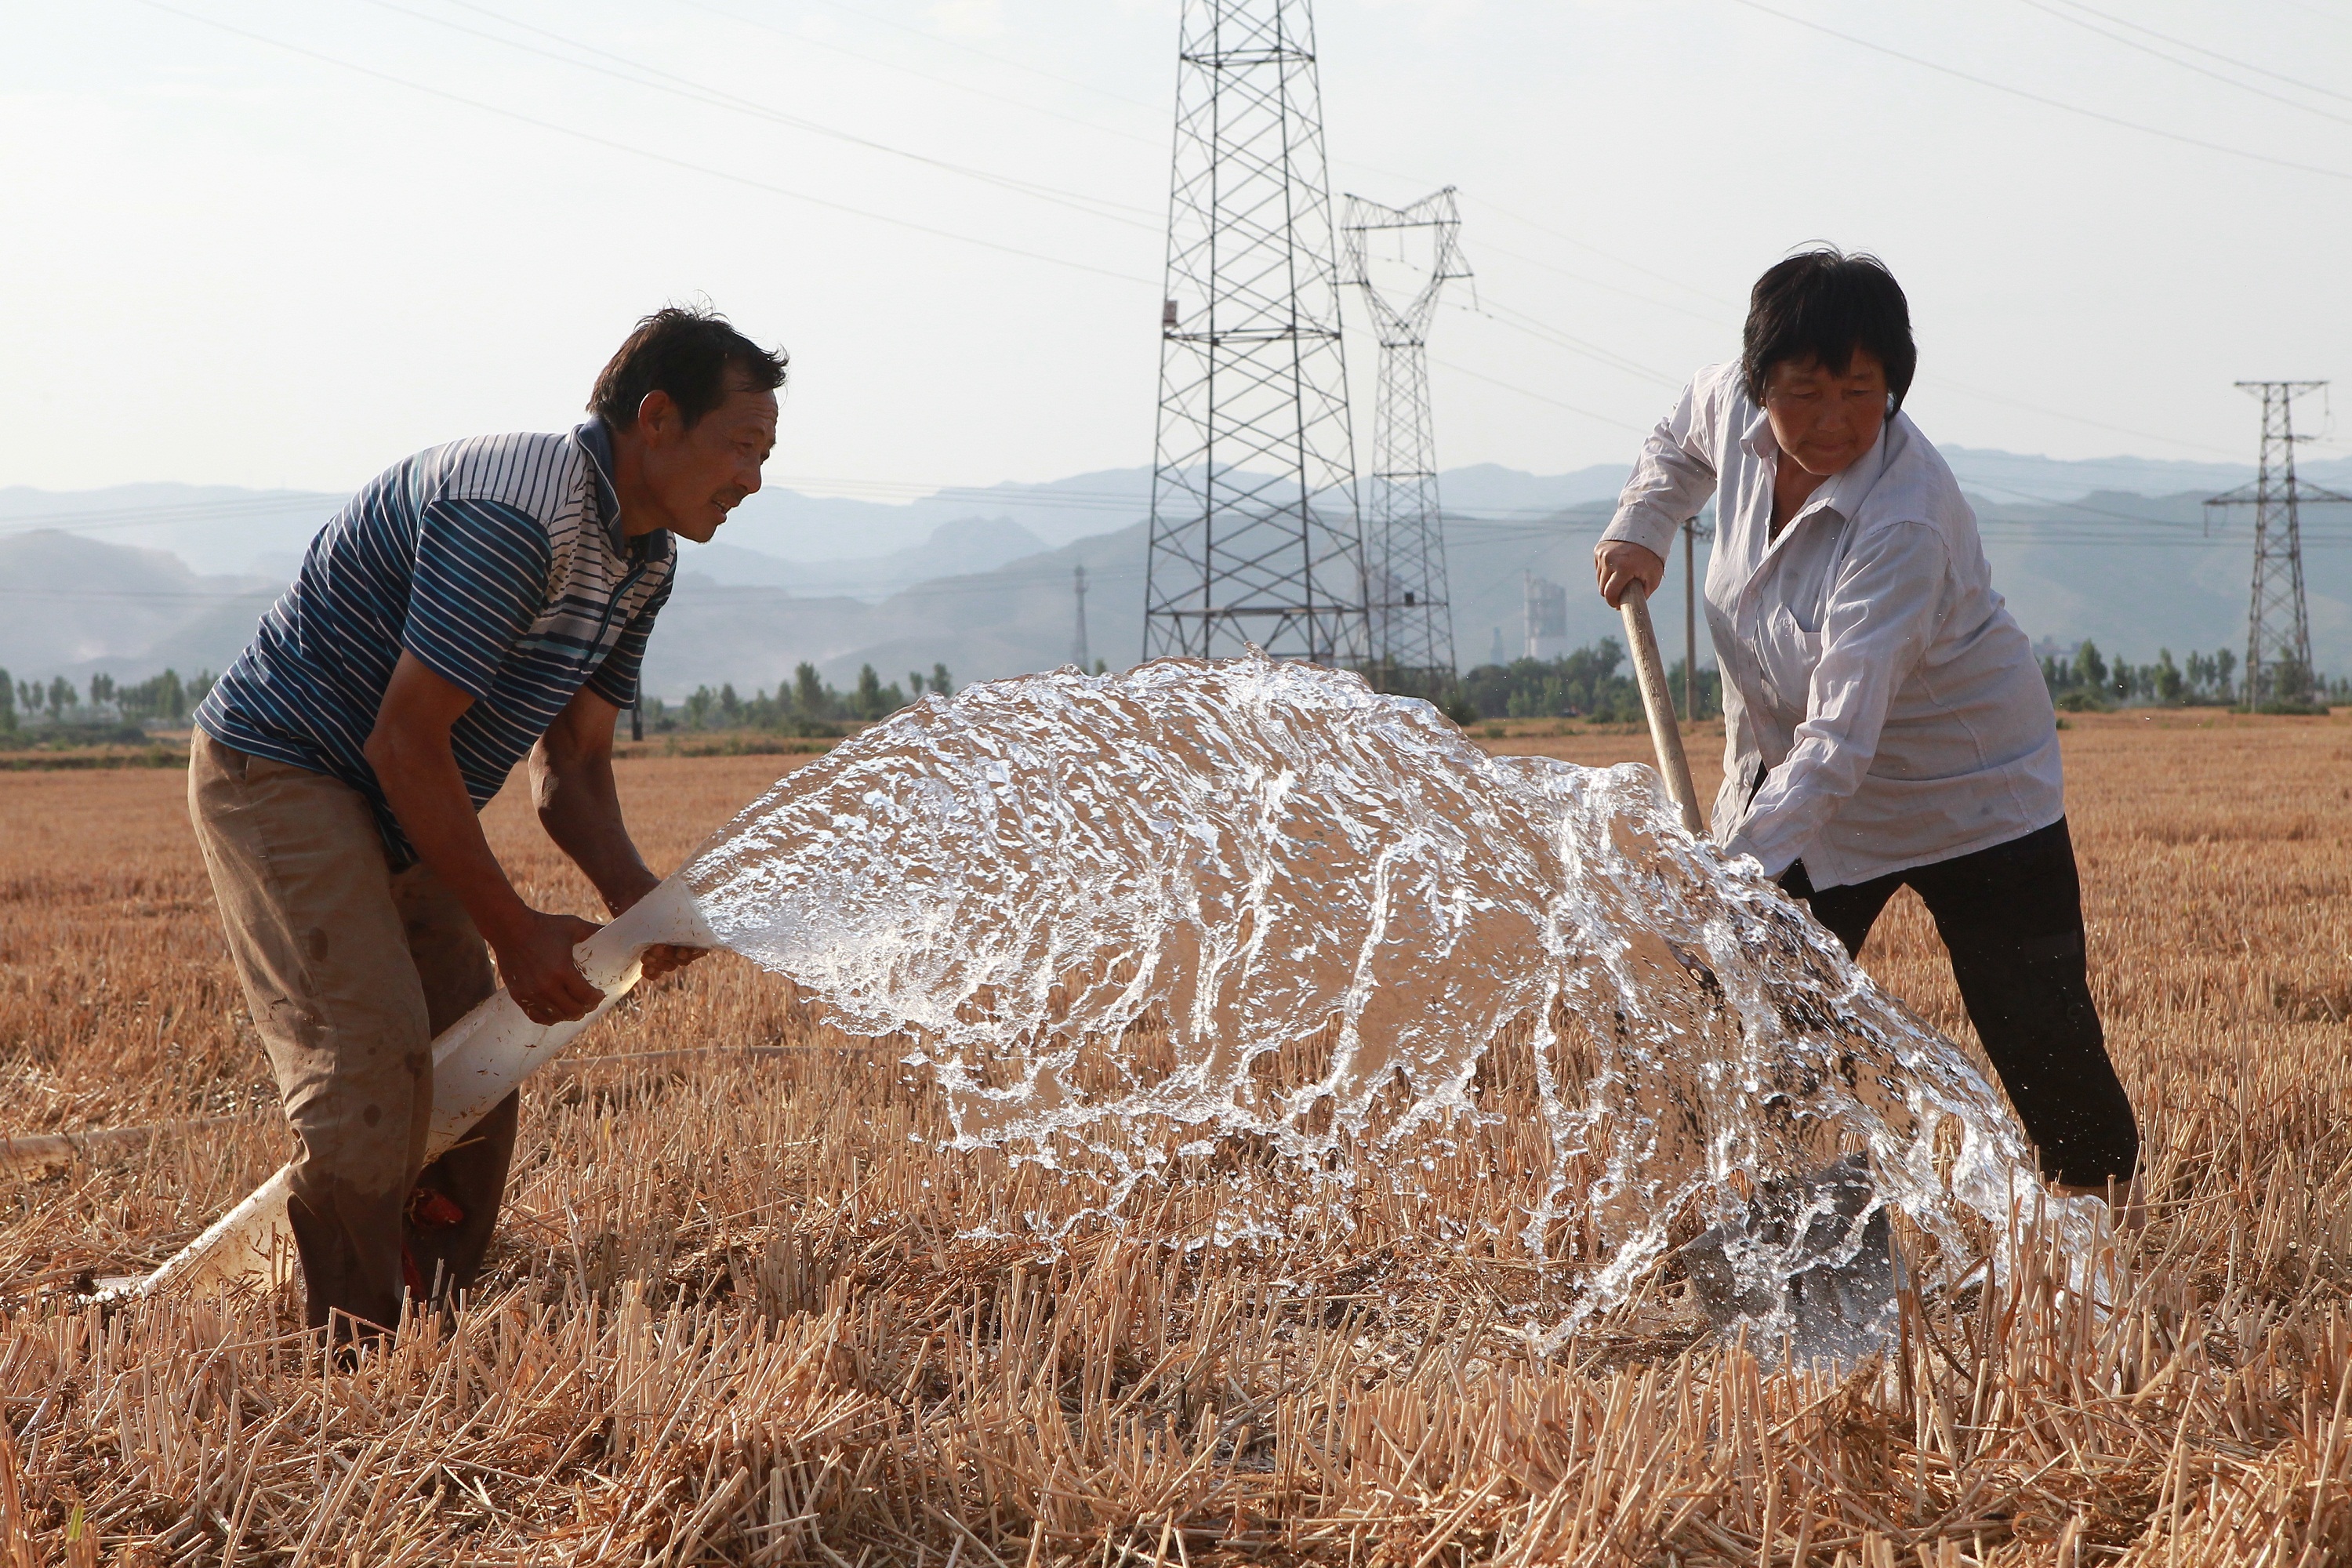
(1619, 564)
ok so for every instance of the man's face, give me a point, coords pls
(697, 475)
(1822, 419)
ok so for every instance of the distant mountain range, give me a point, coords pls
(132, 579)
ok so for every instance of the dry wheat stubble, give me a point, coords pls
(739, 1315)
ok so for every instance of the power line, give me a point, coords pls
(1537, 396)
(1712, 321)
(802, 41)
(2072, 20)
(866, 14)
(606, 142)
(693, 92)
(2044, 101)
(2211, 54)
(1501, 315)
(1936, 380)
(1585, 245)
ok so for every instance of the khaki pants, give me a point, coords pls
(350, 970)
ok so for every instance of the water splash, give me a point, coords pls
(1128, 917)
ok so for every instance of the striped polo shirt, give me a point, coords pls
(500, 563)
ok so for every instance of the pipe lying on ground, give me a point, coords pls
(38, 1154)
(33, 1156)
(476, 1062)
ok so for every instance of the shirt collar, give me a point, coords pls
(597, 442)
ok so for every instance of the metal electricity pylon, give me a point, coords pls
(1404, 543)
(1254, 531)
(1079, 654)
(2278, 628)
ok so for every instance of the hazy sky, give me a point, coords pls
(224, 261)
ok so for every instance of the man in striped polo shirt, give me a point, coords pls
(475, 603)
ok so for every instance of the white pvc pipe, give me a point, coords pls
(476, 1062)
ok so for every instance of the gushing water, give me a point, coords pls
(1129, 918)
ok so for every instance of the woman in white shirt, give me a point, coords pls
(1885, 720)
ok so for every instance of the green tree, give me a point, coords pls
(810, 699)
(1585, 683)
(2170, 685)
(940, 682)
(915, 682)
(2090, 670)
(62, 695)
(8, 704)
(869, 694)
(731, 707)
(101, 689)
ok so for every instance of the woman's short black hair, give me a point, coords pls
(686, 352)
(1824, 304)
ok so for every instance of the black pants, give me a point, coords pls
(2013, 919)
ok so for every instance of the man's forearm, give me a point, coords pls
(427, 793)
(580, 807)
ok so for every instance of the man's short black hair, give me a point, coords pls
(1824, 304)
(686, 354)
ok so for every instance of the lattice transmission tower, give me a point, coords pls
(2278, 628)
(1254, 531)
(1410, 615)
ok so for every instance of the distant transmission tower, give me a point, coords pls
(1254, 531)
(1079, 653)
(2278, 628)
(1404, 544)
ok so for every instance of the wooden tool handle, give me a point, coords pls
(1665, 734)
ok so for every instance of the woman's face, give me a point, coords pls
(1822, 419)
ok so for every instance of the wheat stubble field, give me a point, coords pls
(738, 1315)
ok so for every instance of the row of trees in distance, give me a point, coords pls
(163, 698)
(2088, 681)
(808, 705)
(1590, 682)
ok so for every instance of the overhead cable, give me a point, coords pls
(2043, 98)
(2209, 54)
(803, 40)
(658, 80)
(647, 153)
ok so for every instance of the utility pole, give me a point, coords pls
(1079, 654)
(1256, 536)
(637, 711)
(2278, 627)
(1404, 543)
(1692, 531)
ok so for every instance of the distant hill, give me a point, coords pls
(73, 605)
(952, 548)
(988, 592)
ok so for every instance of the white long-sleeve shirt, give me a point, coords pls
(1867, 662)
